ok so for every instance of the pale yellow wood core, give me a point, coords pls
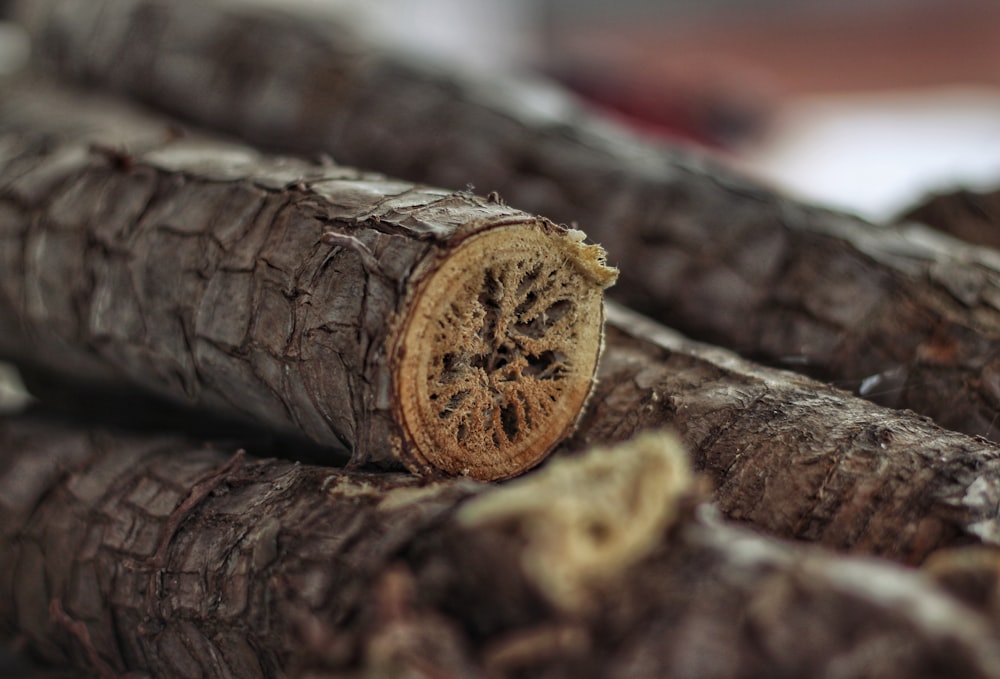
(500, 350)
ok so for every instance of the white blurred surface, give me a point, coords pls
(877, 154)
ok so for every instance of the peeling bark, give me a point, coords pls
(896, 314)
(399, 322)
(144, 554)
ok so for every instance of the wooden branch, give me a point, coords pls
(402, 323)
(897, 314)
(127, 553)
(790, 455)
(794, 457)
(968, 215)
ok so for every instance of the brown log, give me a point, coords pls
(785, 453)
(894, 313)
(126, 553)
(399, 322)
(972, 216)
(792, 456)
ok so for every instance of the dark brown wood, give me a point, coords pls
(896, 314)
(792, 456)
(149, 554)
(972, 216)
(788, 454)
(401, 323)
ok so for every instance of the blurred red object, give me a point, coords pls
(720, 112)
(715, 76)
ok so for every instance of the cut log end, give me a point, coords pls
(586, 519)
(498, 353)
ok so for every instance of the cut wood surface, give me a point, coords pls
(399, 322)
(899, 314)
(121, 552)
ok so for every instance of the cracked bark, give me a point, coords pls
(122, 552)
(788, 454)
(893, 313)
(401, 323)
(794, 457)
(784, 453)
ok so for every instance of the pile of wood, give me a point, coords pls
(332, 375)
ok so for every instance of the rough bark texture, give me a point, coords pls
(794, 457)
(787, 454)
(125, 553)
(784, 453)
(971, 216)
(399, 322)
(898, 314)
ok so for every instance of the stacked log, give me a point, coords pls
(401, 326)
(896, 314)
(153, 555)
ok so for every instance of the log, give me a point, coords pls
(785, 453)
(404, 324)
(126, 553)
(794, 457)
(897, 314)
(782, 453)
(971, 216)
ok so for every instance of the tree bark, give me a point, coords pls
(790, 456)
(787, 454)
(194, 284)
(894, 313)
(794, 457)
(401, 323)
(125, 553)
(971, 216)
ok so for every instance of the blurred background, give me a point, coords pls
(861, 104)
(864, 105)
